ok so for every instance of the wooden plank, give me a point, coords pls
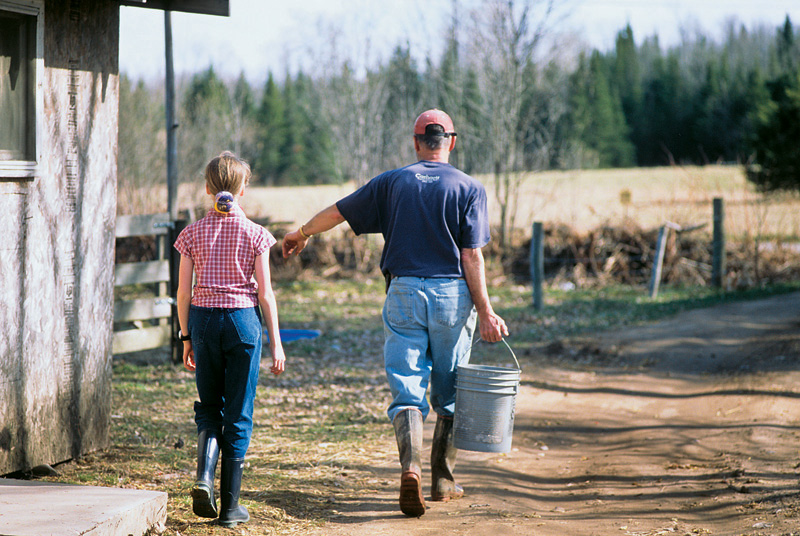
(142, 309)
(134, 340)
(142, 225)
(205, 7)
(132, 273)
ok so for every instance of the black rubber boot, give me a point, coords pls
(408, 431)
(443, 461)
(204, 503)
(231, 512)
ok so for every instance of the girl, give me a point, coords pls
(220, 326)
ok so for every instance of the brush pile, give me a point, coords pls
(625, 255)
(603, 256)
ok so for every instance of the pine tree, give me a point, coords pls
(243, 119)
(403, 103)
(207, 125)
(475, 155)
(627, 81)
(597, 116)
(270, 128)
(776, 154)
(664, 133)
(292, 167)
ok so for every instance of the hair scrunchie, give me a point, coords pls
(223, 202)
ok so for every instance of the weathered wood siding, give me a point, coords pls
(56, 258)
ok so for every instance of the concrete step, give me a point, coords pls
(29, 508)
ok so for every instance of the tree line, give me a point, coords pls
(519, 103)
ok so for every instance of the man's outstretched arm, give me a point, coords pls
(295, 242)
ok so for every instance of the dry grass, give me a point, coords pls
(321, 427)
(583, 200)
(317, 428)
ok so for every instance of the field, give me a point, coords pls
(582, 200)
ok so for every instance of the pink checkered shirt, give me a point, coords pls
(223, 249)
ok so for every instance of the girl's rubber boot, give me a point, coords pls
(408, 431)
(231, 512)
(443, 461)
(204, 503)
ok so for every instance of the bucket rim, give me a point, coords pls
(489, 368)
(487, 384)
(505, 391)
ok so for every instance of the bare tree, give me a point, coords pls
(142, 141)
(352, 99)
(508, 39)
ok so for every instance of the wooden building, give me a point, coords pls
(58, 181)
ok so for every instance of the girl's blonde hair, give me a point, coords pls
(227, 173)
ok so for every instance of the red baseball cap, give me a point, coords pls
(434, 117)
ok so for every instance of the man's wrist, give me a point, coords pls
(485, 312)
(303, 233)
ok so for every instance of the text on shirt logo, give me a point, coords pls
(427, 178)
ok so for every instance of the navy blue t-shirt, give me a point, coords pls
(427, 212)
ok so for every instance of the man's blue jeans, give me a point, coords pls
(428, 327)
(227, 353)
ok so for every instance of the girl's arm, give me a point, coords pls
(269, 308)
(184, 297)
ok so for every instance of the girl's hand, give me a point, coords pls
(188, 356)
(278, 361)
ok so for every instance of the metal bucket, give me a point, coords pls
(485, 402)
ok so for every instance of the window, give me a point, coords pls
(18, 69)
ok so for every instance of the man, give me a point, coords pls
(434, 221)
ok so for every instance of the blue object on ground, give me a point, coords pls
(289, 335)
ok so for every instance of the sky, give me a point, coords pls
(267, 35)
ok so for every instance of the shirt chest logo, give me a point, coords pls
(426, 178)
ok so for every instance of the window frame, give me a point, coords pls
(29, 170)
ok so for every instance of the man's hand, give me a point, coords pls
(293, 243)
(492, 327)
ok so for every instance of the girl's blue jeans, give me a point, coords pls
(227, 353)
(428, 327)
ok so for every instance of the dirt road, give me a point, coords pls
(688, 426)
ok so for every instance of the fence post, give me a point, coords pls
(718, 248)
(658, 262)
(537, 263)
(171, 121)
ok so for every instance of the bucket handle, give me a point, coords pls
(504, 342)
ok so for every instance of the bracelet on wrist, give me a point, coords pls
(303, 233)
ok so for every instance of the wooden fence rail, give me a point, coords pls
(143, 323)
